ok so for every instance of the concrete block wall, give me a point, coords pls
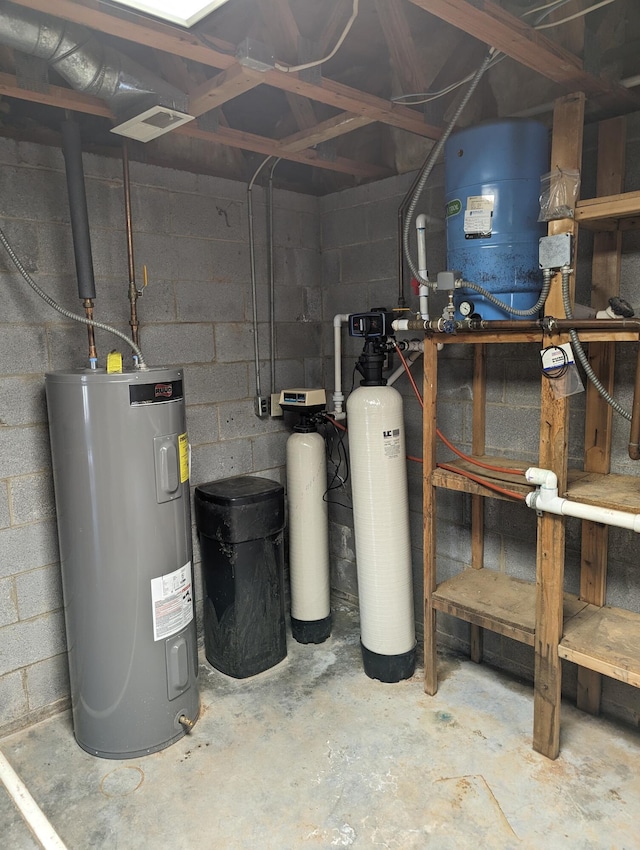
(191, 232)
(359, 262)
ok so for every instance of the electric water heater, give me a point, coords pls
(121, 475)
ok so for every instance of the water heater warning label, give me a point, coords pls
(172, 601)
(391, 441)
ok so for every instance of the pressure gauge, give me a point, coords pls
(465, 308)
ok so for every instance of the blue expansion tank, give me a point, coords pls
(492, 189)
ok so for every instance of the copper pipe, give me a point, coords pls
(133, 290)
(88, 311)
(634, 433)
(548, 325)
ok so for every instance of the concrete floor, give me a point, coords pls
(314, 754)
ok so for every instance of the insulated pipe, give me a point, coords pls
(338, 395)
(545, 498)
(423, 273)
(72, 150)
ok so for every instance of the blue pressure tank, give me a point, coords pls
(492, 189)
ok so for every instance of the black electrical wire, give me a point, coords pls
(559, 371)
(334, 442)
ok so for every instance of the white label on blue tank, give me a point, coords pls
(172, 602)
(478, 215)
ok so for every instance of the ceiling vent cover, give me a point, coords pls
(152, 123)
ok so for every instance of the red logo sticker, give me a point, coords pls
(163, 390)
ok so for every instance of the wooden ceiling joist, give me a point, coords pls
(99, 16)
(325, 130)
(284, 35)
(56, 96)
(259, 144)
(402, 48)
(67, 99)
(223, 87)
(490, 23)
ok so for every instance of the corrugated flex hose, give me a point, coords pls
(579, 350)
(546, 286)
(68, 313)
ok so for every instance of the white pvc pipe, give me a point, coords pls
(411, 359)
(338, 395)
(423, 292)
(37, 822)
(546, 498)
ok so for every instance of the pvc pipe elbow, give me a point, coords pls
(544, 478)
(339, 318)
(421, 222)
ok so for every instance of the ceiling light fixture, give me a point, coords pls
(186, 13)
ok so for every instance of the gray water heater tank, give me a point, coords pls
(121, 475)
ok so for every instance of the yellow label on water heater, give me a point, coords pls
(183, 448)
(114, 362)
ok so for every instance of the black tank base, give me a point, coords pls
(311, 631)
(388, 668)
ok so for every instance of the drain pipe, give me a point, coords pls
(545, 498)
(423, 273)
(338, 395)
(45, 834)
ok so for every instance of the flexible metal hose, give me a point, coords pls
(582, 357)
(431, 161)
(67, 313)
(546, 286)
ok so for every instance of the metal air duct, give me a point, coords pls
(145, 105)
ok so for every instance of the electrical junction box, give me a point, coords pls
(308, 400)
(554, 252)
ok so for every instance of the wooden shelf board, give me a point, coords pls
(617, 492)
(478, 337)
(605, 213)
(497, 602)
(606, 640)
(454, 481)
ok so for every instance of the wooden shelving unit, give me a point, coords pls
(582, 629)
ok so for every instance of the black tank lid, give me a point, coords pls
(242, 490)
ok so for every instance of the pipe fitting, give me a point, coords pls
(543, 478)
(186, 723)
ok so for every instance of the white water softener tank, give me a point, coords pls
(308, 534)
(121, 474)
(381, 526)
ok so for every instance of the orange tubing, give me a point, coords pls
(503, 470)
